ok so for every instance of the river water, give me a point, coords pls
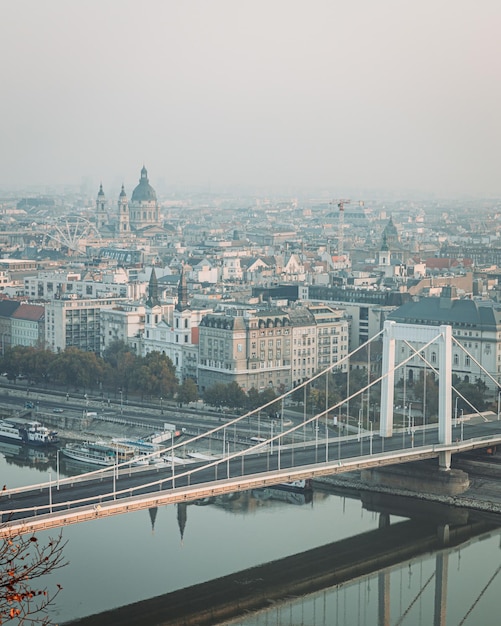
(131, 558)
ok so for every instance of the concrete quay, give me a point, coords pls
(482, 494)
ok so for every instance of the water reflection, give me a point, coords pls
(387, 560)
(28, 456)
(396, 573)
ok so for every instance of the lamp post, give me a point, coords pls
(456, 411)
(57, 467)
(121, 403)
(499, 401)
(50, 492)
(161, 406)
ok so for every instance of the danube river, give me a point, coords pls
(145, 557)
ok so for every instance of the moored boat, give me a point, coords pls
(38, 435)
(145, 452)
(10, 431)
(31, 433)
(98, 452)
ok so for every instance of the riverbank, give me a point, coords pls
(483, 494)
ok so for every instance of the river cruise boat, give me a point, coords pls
(30, 433)
(99, 452)
(145, 452)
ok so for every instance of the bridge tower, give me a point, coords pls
(423, 336)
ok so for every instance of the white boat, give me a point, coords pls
(39, 435)
(98, 452)
(145, 452)
(9, 431)
(31, 433)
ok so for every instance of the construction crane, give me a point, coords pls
(340, 205)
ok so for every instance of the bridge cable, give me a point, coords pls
(404, 614)
(480, 596)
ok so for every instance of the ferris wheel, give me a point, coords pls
(73, 233)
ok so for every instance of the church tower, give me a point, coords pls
(182, 293)
(101, 209)
(123, 214)
(153, 299)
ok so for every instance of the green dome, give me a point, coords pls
(144, 192)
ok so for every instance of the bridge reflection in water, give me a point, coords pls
(304, 578)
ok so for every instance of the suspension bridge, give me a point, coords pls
(317, 443)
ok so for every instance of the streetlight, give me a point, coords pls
(57, 467)
(499, 401)
(50, 492)
(121, 402)
(161, 406)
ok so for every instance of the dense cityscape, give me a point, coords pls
(250, 313)
(258, 292)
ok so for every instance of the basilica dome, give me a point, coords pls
(144, 192)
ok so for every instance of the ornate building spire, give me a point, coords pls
(153, 299)
(182, 292)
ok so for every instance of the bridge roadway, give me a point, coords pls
(115, 491)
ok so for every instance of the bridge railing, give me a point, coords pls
(265, 477)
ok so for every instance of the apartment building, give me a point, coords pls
(276, 348)
(76, 323)
(124, 323)
(476, 327)
(28, 325)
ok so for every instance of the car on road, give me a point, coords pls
(29, 405)
(57, 410)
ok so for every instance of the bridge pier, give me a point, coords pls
(419, 476)
(444, 461)
(423, 336)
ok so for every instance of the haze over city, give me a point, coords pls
(360, 96)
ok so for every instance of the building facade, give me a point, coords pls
(476, 327)
(275, 348)
(76, 323)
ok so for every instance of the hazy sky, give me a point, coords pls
(387, 94)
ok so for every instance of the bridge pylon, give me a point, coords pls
(441, 336)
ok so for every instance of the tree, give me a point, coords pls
(77, 367)
(23, 560)
(474, 394)
(11, 363)
(121, 363)
(187, 391)
(235, 396)
(216, 395)
(156, 375)
(427, 397)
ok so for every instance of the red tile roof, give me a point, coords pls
(29, 312)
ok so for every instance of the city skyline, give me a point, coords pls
(285, 94)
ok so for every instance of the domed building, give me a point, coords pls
(140, 216)
(143, 208)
